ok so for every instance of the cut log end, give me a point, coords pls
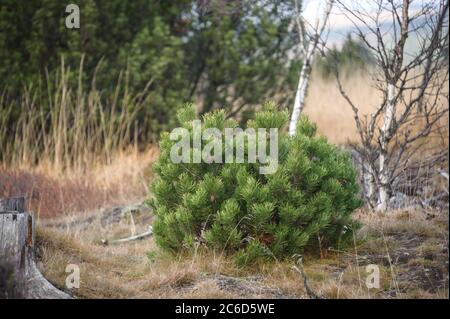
(17, 232)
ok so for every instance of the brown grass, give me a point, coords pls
(410, 248)
(65, 125)
(50, 192)
(329, 110)
(333, 115)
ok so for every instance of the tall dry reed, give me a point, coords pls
(64, 125)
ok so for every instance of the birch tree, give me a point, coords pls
(310, 39)
(413, 85)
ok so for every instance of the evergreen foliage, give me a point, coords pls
(219, 53)
(234, 208)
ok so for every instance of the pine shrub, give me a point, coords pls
(233, 208)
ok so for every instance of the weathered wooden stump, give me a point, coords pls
(17, 237)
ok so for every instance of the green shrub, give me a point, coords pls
(234, 208)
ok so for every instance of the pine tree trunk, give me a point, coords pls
(17, 237)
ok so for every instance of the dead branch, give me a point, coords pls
(104, 218)
(143, 235)
(414, 87)
(299, 268)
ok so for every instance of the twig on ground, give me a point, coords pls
(148, 233)
(311, 294)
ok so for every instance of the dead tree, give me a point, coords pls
(414, 85)
(17, 237)
(310, 40)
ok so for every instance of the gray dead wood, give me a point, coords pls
(17, 238)
(309, 291)
(143, 235)
(104, 218)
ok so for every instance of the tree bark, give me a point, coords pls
(305, 73)
(17, 237)
(301, 89)
(383, 189)
(369, 184)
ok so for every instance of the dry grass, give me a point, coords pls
(329, 110)
(61, 124)
(410, 248)
(50, 192)
(69, 148)
(333, 115)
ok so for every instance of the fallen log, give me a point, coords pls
(17, 238)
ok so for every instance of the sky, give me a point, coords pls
(340, 25)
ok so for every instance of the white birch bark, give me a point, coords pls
(301, 89)
(383, 191)
(305, 73)
(370, 186)
(412, 82)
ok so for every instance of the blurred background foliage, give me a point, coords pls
(352, 55)
(216, 53)
(120, 78)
